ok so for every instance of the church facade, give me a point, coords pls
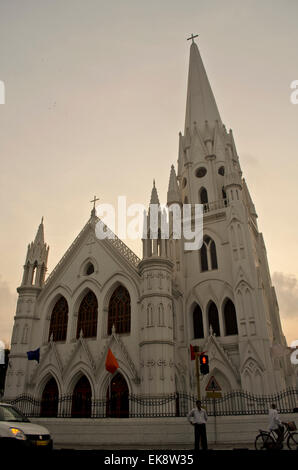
(148, 311)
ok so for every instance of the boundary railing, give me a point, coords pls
(135, 406)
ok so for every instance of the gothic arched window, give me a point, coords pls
(87, 318)
(230, 318)
(213, 255)
(203, 196)
(208, 254)
(49, 400)
(119, 311)
(213, 318)
(59, 320)
(89, 269)
(198, 322)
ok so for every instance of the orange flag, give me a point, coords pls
(111, 362)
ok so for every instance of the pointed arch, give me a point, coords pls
(161, 315)
(223, 193)
(87, 316)
(208, 255)
(59, 320)
(34, 274)
(149, 315)
(81, 399)
(203, 257)
(119, 311)
(230, 318)
(89, 269)
(203, 196)
(213, 318)
(117, 397)
(50, 399)
(213, 255)
(198, 327)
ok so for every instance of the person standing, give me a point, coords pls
(198, 418)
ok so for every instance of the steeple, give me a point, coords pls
(36, 260)
(154, 196)
(39, 238)
(200, 104)
(173, 189)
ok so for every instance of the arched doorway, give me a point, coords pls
(81, 399)
(49, 399)
(117, 398)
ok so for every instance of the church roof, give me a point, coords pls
(114, 243)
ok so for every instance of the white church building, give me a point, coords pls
(148, 311)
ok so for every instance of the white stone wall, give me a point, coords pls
(154, 433)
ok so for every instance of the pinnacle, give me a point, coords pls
(154, 196)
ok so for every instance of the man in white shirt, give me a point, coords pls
(198, 418)
(275, 423)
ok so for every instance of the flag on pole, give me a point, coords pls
(33, 355)
(111, 362)
(192, 353)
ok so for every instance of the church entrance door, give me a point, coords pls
(117, 398)
(49, 399)
(81, 399)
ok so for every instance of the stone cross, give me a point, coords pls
(192, 37)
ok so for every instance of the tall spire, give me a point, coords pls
(39, 238)
(200, 104)
(173, 189)
(154, 196)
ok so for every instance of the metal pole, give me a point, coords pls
(214, 414)
(198, 374)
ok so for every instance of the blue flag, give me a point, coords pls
(33, 355)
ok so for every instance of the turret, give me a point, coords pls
(33, 280)
(36, 260)
(157, 343)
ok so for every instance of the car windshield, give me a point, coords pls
(9, 413)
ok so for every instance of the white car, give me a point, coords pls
(16, 430)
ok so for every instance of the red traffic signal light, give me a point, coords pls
(204, 360)
(204, 367)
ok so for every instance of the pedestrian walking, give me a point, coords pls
(198, 418)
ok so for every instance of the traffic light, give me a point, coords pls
(204, 366)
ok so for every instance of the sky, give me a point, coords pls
(95, 99)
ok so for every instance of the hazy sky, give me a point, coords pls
(95, 99)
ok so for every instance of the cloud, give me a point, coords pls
(286, 286)
(7, 309)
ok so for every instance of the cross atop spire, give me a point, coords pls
(192, 37)
(94, 200)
